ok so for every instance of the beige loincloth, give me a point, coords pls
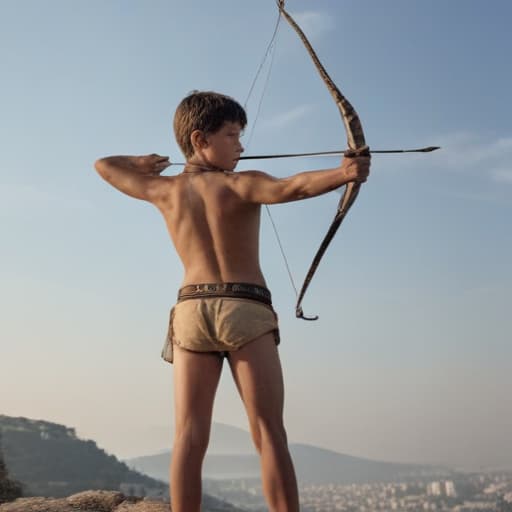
(218, 324)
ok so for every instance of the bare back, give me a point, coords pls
(214, 230)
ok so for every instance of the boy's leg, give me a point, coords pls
(257, 373)
(196, 376)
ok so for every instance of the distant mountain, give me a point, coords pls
(312, 464)
(318, 465)
(50, 460)
(229, 440)
(214, 466)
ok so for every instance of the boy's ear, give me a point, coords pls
(198, 139)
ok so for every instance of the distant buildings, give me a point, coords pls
(450, 489)
(475, 506)
(434, 489)
(472, 492)
(441, 488)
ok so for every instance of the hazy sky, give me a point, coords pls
(411, 358)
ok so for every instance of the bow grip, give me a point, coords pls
(352, 153)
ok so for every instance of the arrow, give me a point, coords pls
(323, 153)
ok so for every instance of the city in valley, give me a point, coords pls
(473, 492)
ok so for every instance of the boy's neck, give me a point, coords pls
(196, 168)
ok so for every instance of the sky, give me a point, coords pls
(410, 360)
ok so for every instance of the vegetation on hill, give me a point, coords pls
(51, 460)
(9, 489)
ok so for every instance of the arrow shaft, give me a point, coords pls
(338, 152)
(326, 153)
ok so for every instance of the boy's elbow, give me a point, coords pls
(100, 166)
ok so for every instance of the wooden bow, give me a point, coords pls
(356, 147)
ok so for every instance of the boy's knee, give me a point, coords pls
(193, 439)
(268, 431)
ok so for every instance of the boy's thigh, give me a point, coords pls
(256, 369)
(196, 377)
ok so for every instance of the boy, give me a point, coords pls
(224, 308)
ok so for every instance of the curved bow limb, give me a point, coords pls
(357, 147)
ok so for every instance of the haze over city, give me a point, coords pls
(410, 360)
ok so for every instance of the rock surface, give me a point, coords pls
(87, 501)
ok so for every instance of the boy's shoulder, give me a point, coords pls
(251, 174)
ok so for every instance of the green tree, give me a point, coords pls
(9, 489)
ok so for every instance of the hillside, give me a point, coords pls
(50, 460)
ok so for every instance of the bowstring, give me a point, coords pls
(270, 50)
(267, 51)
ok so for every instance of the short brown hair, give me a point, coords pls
(206, 111)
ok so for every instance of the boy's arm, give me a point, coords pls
(259, 187)
(136, 176)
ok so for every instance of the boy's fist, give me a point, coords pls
(356, 169)
(152, 164)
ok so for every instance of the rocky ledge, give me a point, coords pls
(87, 501)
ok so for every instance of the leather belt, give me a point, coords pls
(235, 290)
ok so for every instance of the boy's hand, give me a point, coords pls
(356, 168)
(151, 165)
